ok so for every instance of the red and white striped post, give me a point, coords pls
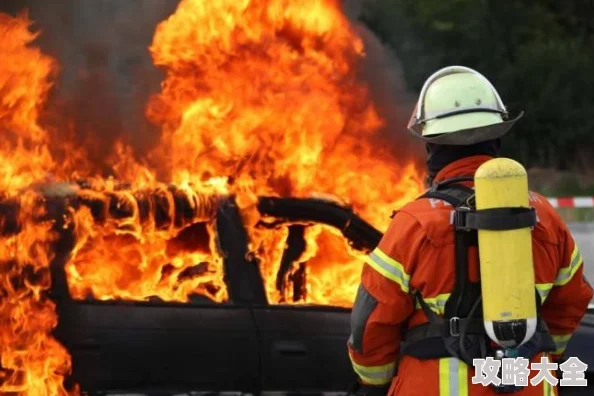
(571, 202)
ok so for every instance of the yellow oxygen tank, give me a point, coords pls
(506, 264)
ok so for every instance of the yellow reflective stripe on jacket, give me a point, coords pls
(547, 389)
(375, 375)
(453, 377)
(389, 268)
(437, 303)
(561, 341)
(543, 290)
(566, 273)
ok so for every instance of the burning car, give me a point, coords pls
(264, 99)
(227, 276)
(246, 342)
(226, 335)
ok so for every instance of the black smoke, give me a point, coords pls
(382, 71)
(107, 75)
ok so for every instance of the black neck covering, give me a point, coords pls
(442, 155)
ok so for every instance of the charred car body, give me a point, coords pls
(245, 344)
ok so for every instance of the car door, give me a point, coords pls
(304, 348)
(147, 347)
(167, 347)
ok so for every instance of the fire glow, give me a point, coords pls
(259, 98)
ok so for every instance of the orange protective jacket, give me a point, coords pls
(417, 253)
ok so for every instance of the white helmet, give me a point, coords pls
(459, 106)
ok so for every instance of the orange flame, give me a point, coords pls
(24, 84)
(266, 95)
(260, 98)
(132, 258)
(31, 361)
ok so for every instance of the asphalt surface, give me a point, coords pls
(583, 234)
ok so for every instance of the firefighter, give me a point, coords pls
(416, 323)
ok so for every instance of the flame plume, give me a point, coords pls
(266, 95)
(24, 84)
(259, 98)
(136, 245)
(31, 361)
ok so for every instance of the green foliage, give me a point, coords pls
(571, 186)
(539, 55)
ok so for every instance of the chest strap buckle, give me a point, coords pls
(455, 326)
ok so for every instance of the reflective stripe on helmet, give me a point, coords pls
(389, 268)
(429, 115)
(450, 70)
(458, 105)
(453, 377)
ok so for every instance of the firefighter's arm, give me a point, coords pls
(384, 303)
(570, 295)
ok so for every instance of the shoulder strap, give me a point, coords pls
(451, 191)
(464, 294)
(460, 333)
(455, 195)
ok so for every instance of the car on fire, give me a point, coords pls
(245, 344)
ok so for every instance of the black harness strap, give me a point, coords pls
(460, 332)
(440, 336)
(436, 325)
(500, 219)
(451, 192)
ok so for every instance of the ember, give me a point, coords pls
(260, 98)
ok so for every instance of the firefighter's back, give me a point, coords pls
(411, 274)
(432, 274)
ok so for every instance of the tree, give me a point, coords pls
(539, 55)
